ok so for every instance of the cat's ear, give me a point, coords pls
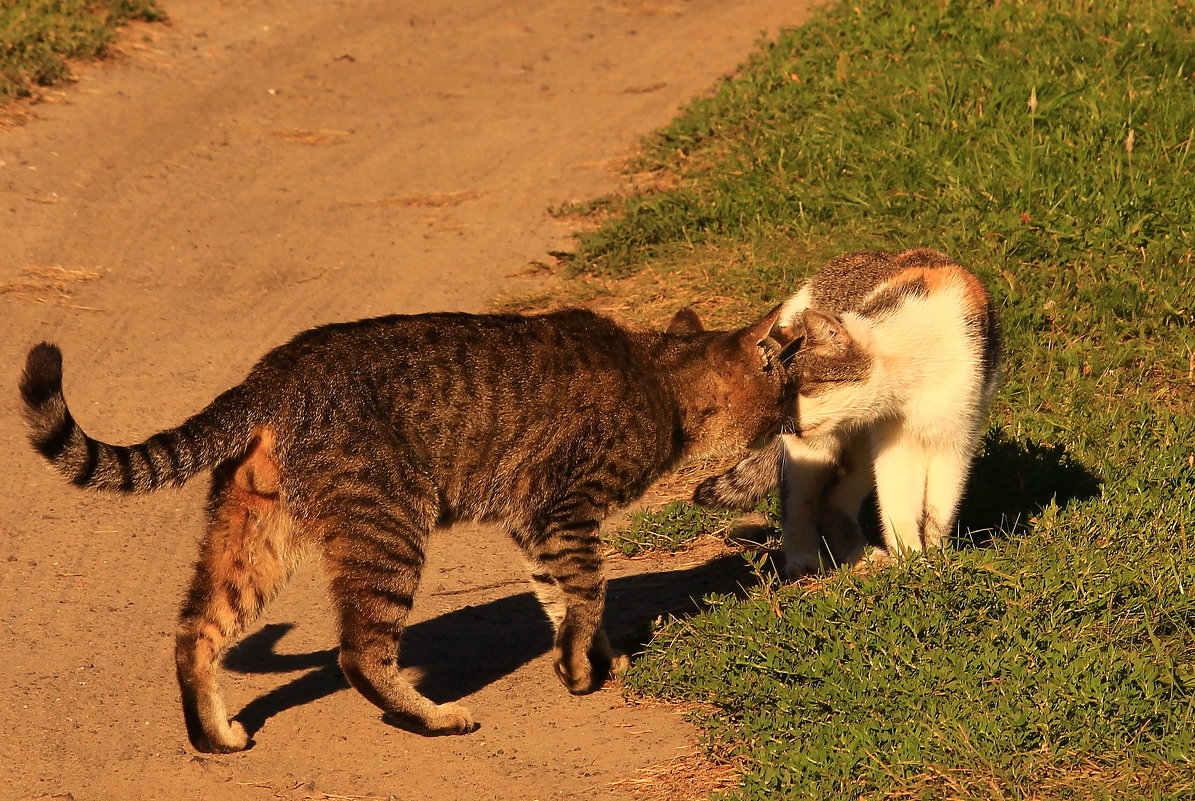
(825, 332)
(754, 334)
(757, 338)
(792, 336)
(789, 336)
(685, 321)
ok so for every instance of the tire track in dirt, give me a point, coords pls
(248, 171)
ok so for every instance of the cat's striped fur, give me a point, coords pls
(355, 440)
(895, 362)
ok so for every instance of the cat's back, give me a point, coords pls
(480, 373)
(454, 346)
(918, 293)
(870, 283)
(481, 402)
(929, 302)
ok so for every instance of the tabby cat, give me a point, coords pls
(895, 360)
(355, 440)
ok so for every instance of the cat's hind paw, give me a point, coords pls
(440, 720)
(230, 739)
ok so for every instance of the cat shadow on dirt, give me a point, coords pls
(460, 652)
(464, 650)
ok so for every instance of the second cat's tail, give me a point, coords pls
(742, 486)
(171, 457)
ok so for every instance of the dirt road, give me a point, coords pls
(250, 170)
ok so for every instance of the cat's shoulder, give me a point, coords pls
(847, 280)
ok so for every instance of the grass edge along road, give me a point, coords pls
(1047, 145)
(37, 37)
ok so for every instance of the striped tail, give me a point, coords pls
(742, 486)
(171, 457)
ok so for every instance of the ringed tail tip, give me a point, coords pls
(42, 378)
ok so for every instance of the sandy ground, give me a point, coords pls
(250, 170)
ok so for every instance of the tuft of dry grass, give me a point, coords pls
(689, 777)
(650, 297)
(679, 484)
(49, 284)
(40, 39)
(432, 200)
(309, 136)
(641, 8)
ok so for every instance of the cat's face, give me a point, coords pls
(757, 391)
(738, 390)
(831, 368)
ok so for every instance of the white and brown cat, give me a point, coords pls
(895, 358)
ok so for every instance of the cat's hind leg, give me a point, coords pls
(806, 465)
(901, 467)
(374, 512)
(246, 557)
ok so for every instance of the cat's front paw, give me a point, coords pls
(620, 664)
(720, 492)
(707, 493)
(583, 671)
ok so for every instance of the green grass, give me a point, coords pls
(669, 528)
(674, 525)
(37, 36)
(1046, 144)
